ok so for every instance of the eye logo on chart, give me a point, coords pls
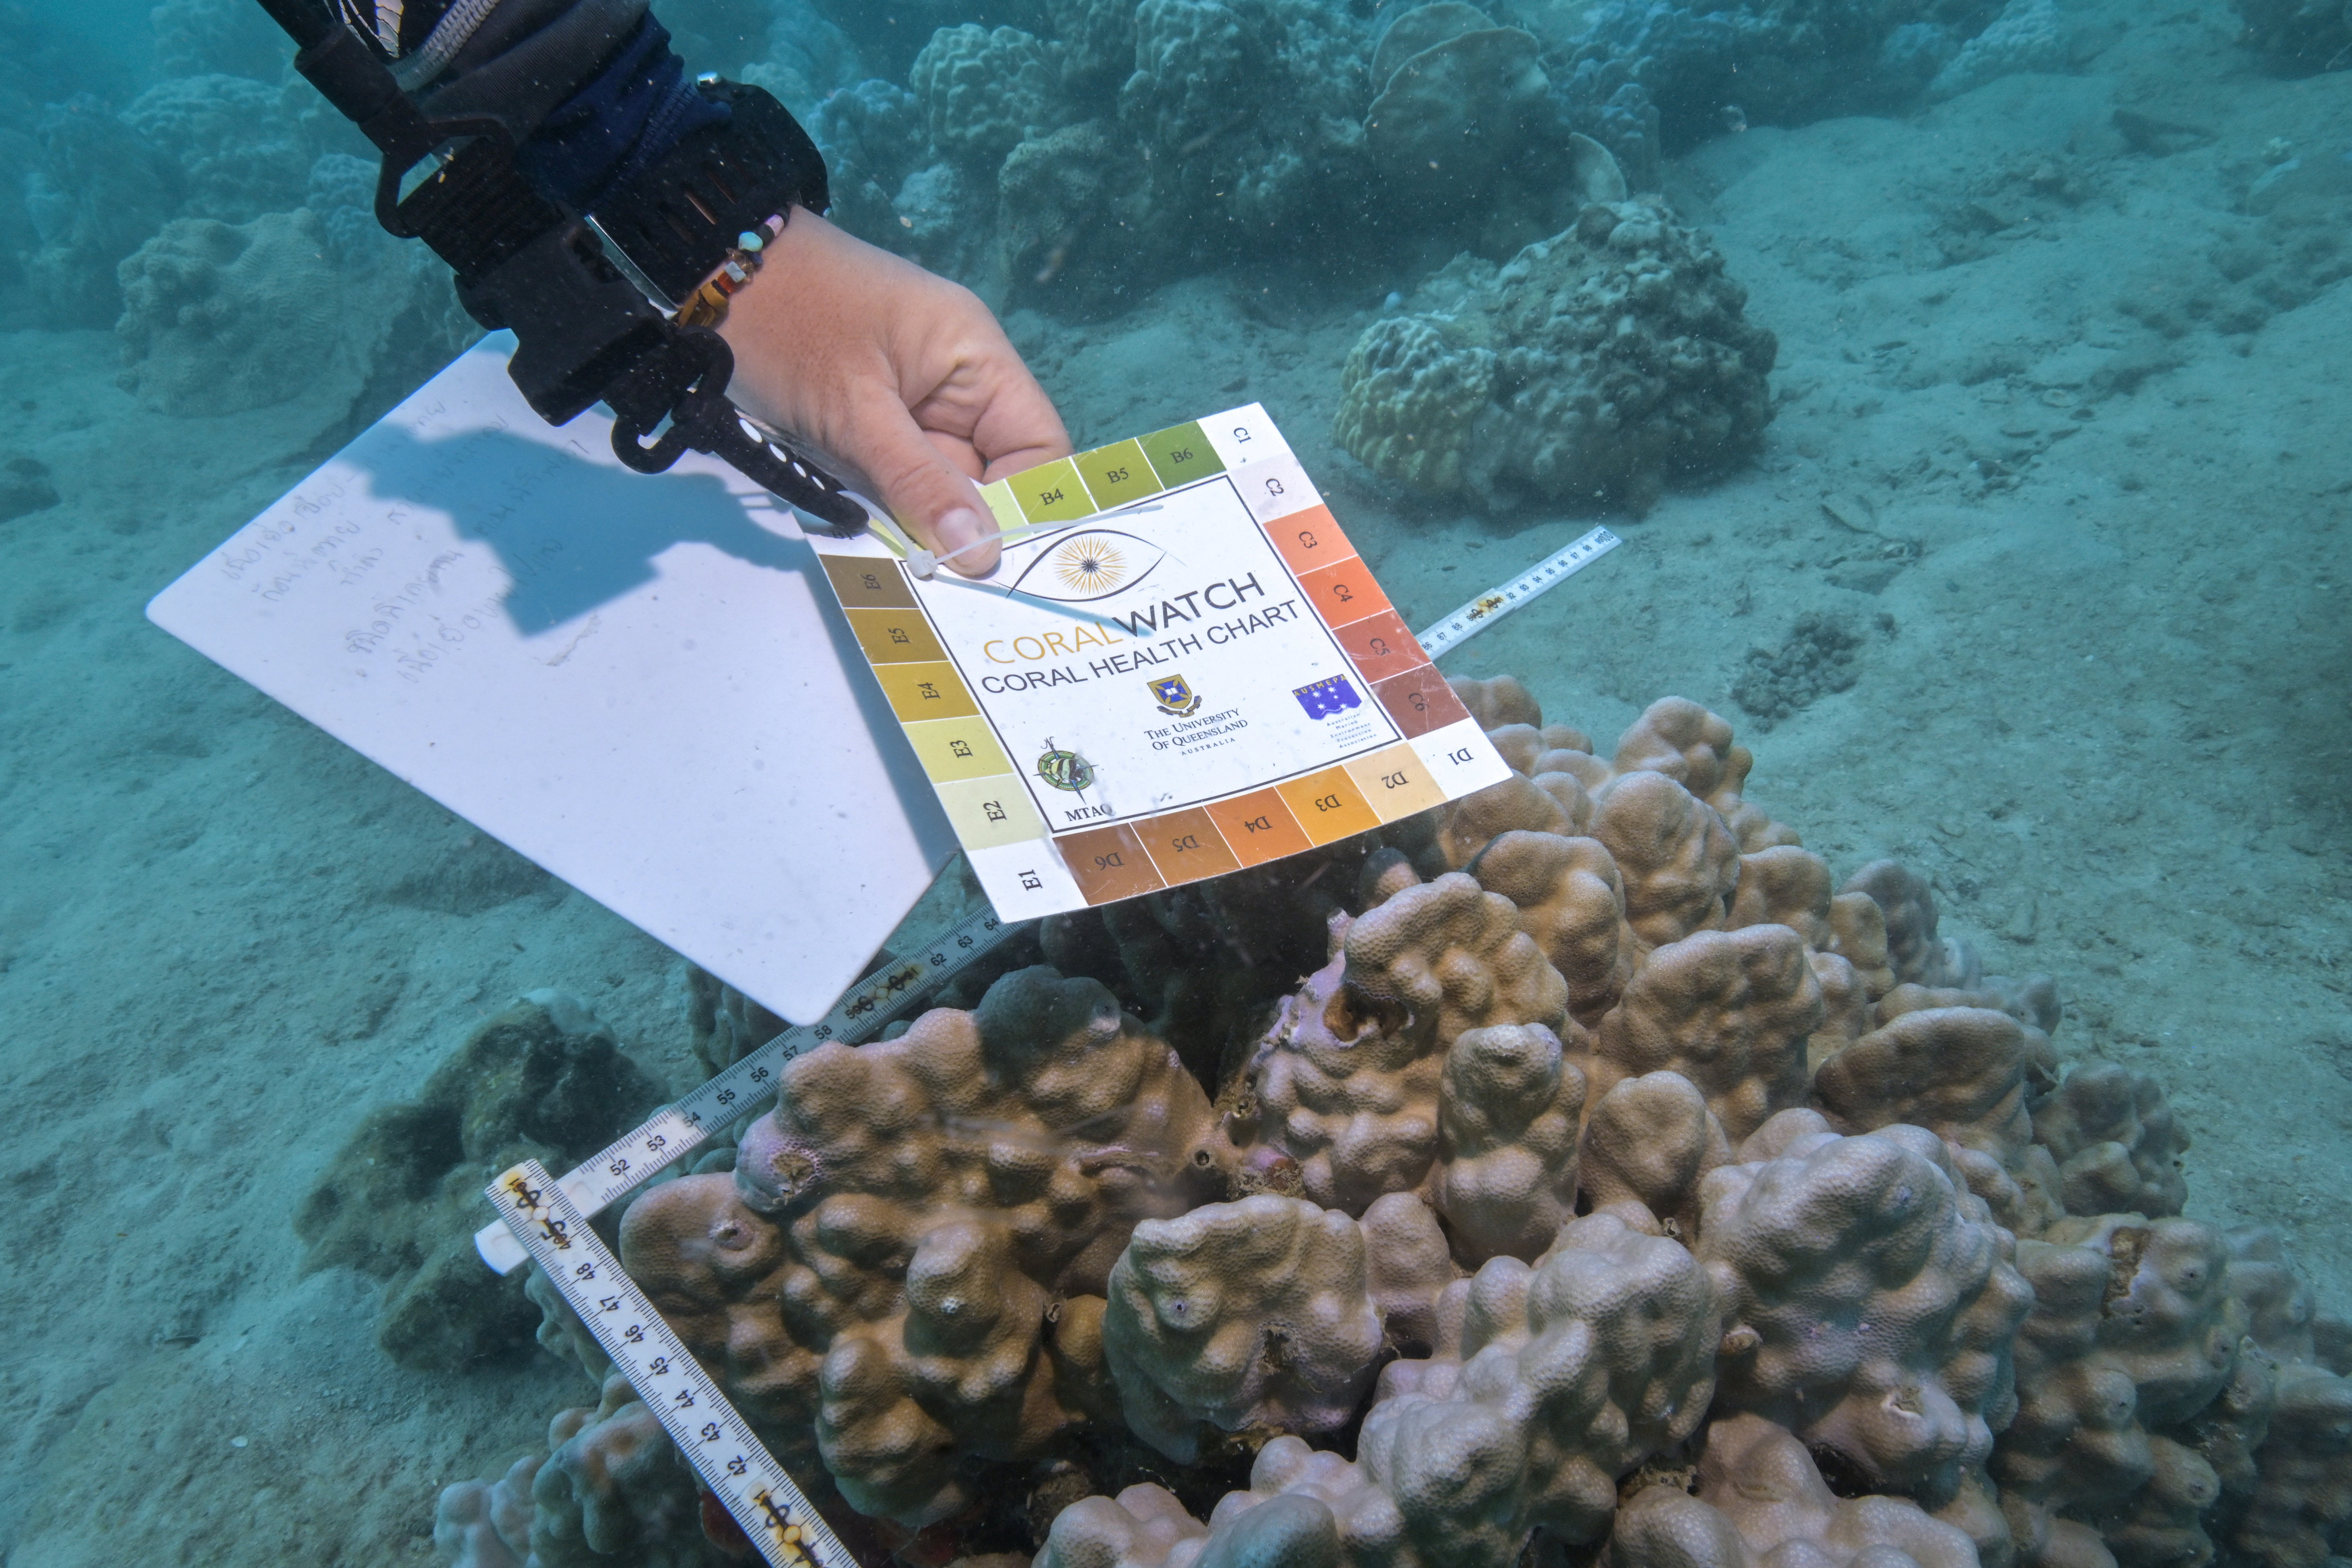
(1324, 698)
(1086, 566)
(1175, 696)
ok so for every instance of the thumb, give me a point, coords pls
(936, 503)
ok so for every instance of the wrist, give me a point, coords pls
(710, 304)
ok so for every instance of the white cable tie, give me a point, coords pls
(926, 566)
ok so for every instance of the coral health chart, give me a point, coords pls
(1180, 668)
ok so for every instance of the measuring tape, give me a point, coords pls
(534, 1213)
(1496, 603)
(676, 1130)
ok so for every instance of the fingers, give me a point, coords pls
(920, 487)
(1020, 427)
(981, 392)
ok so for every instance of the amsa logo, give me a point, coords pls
(1324, 698)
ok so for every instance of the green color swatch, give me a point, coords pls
(1117, 474)
(1181, 454)
(1051, 492)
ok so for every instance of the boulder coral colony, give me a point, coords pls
(1619, 1188)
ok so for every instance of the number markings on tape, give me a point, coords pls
(1496, 603)
(678, 1129)
(731, 1460)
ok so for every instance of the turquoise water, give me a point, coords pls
(1964, 381)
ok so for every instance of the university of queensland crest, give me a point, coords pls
(1175, 696)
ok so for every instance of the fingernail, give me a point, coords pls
(956, 529)
(964, 527)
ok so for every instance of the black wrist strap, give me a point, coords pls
(584, 332)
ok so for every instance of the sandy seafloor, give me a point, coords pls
(2103, 702)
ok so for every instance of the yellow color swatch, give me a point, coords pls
(952, 749)
(987, 812)
(920, 691)
(895, 636)
(999, 497)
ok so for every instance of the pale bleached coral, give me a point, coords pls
(1552, 802)
(2303, 1499)
(1499, 701)
(1731, 1011)
(2117, 1145)
(1143, 1526)
(1259, 1316)
(2133, 1331)
(1571, 901)
(1761, 1502)
(1678, 858)
(982, 90)
(1612, 970)
(1968, 1074)
(1915, 951)
(1872, 1301)
(2291, 1432)
(1509, 1107)
(1648, 1143)
(1550, 1384)
(1592, 368)
(1347, 1082)
(614, 1485)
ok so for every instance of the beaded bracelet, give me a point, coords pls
(707, 306)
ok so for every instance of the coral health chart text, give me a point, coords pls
(1180, 668)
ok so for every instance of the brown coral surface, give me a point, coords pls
(1618, 1182)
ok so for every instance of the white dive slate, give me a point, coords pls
(643, 684)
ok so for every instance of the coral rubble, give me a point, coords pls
(546, 1081)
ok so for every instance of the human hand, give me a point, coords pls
(896, 374)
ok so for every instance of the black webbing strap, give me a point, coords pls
(583, 332)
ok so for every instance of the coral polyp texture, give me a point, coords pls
(1606, 1183)
(904, 1276)
(1872, 1299)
